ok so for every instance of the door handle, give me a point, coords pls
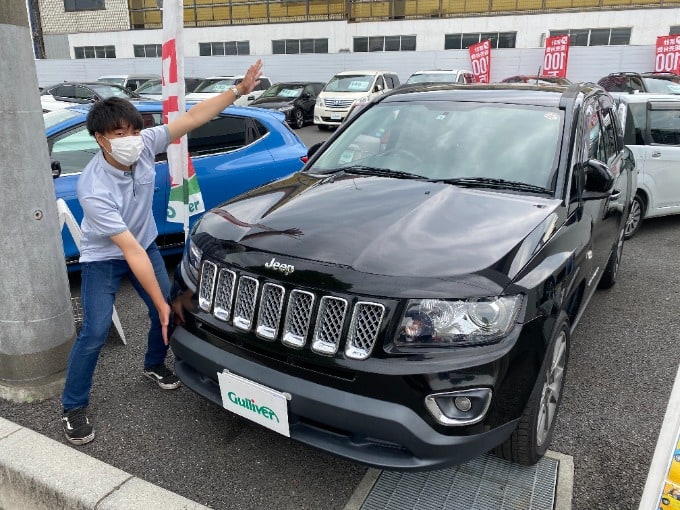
(656, 154)
(615, 195)
(156, 189)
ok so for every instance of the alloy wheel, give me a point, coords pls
(552, 389)
(634, 217)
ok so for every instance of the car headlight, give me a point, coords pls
(442, 323)
(286, 108)
(362, 100)
(192, 260)
(319, 102)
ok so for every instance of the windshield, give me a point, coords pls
(662, 86)
(450, 140)
(105, 91)
(58, 116)
(117, 81)
(150, 87)
(350, 83)
(216, 85)
(432, 78)
(284, 90)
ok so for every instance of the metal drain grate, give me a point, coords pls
(482, 484)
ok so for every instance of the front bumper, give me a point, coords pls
(376, 432)
(329, 116)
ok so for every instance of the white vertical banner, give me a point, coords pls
(185, 194)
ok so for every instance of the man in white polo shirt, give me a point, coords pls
(116, 191)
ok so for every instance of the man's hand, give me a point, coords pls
(164, 316)
(251, 79)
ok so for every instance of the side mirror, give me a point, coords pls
(56, 169)
(599, 180)
(378, 87)
(312, 150)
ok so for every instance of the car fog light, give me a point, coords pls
(463, 404)
(459, 408)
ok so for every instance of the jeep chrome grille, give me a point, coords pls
(269, 316)
(230, 296)
(326, 337)
(366, 321)
(244, 311)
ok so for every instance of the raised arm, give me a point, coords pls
(209, 108)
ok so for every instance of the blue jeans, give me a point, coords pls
(100, 282)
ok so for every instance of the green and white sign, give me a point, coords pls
(254, 402)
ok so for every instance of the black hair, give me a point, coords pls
(111, 114)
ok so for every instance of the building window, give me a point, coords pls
(294, 46)
(83, 5)
(675, 30)
(148, 50)
(595, 36)
(211, 49)
(95, 51)
(464, 41)
(385, 43)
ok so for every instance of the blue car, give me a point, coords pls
(240, 149)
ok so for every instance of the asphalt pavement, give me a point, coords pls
(623, 358)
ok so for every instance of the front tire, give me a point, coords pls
(530, 440)
(635, 216)
(298, 118)
(612, 270)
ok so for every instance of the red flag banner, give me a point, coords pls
(667, 58)
(555, 56)
(480, 58)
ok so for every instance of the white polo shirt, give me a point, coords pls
(114, 201)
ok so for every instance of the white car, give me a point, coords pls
(215, 85)
(441, 76)
(50, 103)
(651, 130)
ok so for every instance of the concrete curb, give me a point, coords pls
(39, 473)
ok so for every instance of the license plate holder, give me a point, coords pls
(255, 402)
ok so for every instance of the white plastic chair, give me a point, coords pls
(66, 216)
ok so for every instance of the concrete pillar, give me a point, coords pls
(36, 319)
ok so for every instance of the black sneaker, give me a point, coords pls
(164, 377)
(77, 427)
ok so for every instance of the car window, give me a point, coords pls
(83, 92)
(609, 134)
(222, 134)
(445, 140)
(264, 84)
(595, 138)
(350, 83)
(635, 120)
(379, 84)
(73, 149)
(664, 126)
(662, 86)
(216, 85)
(64, 91)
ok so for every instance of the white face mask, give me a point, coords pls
(127, 149)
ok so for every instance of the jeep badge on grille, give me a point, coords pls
(277, 266)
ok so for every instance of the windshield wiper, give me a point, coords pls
(386, 172)
(488, 182)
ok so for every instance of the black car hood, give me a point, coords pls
(384, 226)
(271, 102)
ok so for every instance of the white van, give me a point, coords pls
(349, 88)
(651, 130)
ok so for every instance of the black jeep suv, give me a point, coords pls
(407, 299)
